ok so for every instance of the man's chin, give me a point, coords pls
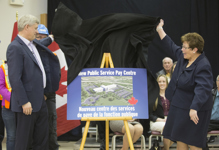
(33, 38)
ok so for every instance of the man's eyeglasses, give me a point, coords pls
(183, 47)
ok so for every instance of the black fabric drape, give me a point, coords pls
(181, 16)
(125, 36)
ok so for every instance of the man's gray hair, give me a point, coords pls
(26, 20)
(167, 58)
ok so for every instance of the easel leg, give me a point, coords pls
(107, 134)
(128, 135)
(84, 135)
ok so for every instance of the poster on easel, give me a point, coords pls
(108, 92)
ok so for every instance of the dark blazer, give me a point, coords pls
(51, 65)
(189, 88)
(25, 75)
(158, 112)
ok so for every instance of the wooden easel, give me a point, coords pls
(106, 60)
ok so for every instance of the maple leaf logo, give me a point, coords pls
(132, 101)
(62, 88)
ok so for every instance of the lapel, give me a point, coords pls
(195, 62)
(27, 50)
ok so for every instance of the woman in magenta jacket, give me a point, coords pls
(7, 115)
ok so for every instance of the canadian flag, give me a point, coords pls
(15, 31)
(63, 125)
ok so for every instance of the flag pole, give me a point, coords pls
(16, 15)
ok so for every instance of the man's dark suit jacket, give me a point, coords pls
(25, 76)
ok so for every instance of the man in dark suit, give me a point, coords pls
(28, 80)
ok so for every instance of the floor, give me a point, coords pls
(91, 144)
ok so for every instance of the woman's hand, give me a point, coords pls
(160, 25)
(193, 116)
(160, 30)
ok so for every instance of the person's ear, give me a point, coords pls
(195, 50)
(26, 27)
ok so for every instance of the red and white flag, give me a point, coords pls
(63, 125)
(15, 31)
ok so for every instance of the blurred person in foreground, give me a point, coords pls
(189, 92)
